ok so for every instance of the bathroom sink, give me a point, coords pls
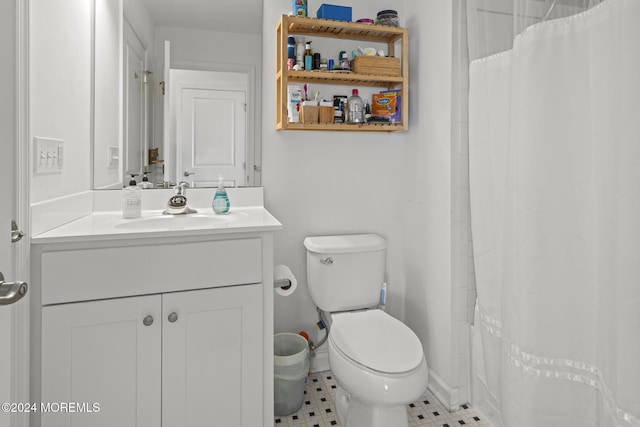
(176, 222)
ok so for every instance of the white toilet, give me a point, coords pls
(376, 360)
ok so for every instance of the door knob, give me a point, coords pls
(11, 292)
(147, 321)
(173, 317)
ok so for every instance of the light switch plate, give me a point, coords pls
(48, 155)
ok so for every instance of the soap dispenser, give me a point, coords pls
(132, 199)
(220, 202)
(145, 181)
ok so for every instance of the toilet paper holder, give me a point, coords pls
(282, 283)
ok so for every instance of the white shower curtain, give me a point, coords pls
(554, 152)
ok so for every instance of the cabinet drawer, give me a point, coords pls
(80, 275)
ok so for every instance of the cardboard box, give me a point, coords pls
(377, 65)
(331, 11)
(294, 99)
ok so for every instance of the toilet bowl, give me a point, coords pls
(377, 361)
(379, 367)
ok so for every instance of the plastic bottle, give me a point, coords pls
(308, 57)
(344, 61)
(145, 181)
(356, 108)
(300, 53)
(132, 199)
(220, 202)
(291, 47)
(367, 111)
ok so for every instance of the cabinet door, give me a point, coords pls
(212, 357)
(103, 353)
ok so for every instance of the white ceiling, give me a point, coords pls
(231, 16)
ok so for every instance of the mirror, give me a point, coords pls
(177, 92)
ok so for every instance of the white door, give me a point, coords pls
(134, 103)
(212, 357)
(104, 355)
(10, 340)
(211, 126)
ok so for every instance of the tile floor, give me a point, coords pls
(318, 410)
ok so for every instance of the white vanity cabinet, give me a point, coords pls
(212, 356)
(101, 352)
(188, 358)
(172, 331)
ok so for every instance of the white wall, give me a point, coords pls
(320, 183)
(398, 185)
(428, 205)
(107, 123)
(210, 46)
(60, 90)
(138, 16)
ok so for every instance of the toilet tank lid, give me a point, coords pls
(345, 243)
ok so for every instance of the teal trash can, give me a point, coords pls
(291, 367)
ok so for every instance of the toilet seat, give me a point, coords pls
(376, 341)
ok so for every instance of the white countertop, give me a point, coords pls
(97, 216)
(101, 226)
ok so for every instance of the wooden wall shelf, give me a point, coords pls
(290, 25)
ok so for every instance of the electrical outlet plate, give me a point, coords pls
(113, 154)
(48, 155)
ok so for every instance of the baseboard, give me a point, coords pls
(320, 362)
(448, 396)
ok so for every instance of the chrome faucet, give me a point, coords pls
(177, 204)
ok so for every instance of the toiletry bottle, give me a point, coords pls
(220, 202)
(291, 47)
(308, 57)
(132, 199)
(316, 61)
(300, 53)
(291, 52)
(367, 111)
(145, 181)
(355, 107)
(344, 61)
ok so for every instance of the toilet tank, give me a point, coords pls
(345, 272)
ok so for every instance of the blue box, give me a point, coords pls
(331, 11)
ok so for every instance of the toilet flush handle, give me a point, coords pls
(327, 261)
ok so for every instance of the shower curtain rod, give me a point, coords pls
(495, 12)
(546, 16)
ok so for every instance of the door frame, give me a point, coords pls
(20, 339)
(130, 36)
(253, 152)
